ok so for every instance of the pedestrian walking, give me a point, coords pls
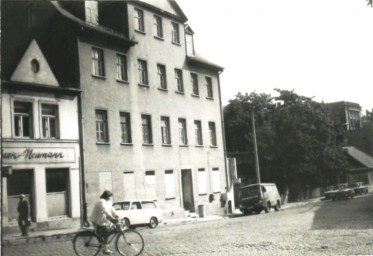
(24, 212)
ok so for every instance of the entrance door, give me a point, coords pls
(187, 188)
(20, 182)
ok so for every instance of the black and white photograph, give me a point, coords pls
(186, 127)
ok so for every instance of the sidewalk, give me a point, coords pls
(68, 234)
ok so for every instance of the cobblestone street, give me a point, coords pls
(323, 228)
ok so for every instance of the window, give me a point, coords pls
(102, 134)
(146, 129)
(158, 26)
(162, 76)
(98, 62)
(216, 179)
(212, 133)
(122, 67)
(202, 182)
(209, 88)
(194, 79)
(150, 185)
(125, 126)
(175, 33)
(22, 117)
(170, 184)
(143, 72)
(179, 80)
(49, 120)
(198, 132)
(165, 129)
(183, 139)
(189, 44)
(139, 20)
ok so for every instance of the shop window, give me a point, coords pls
(57, 181)
(22, 117)
(49, 119)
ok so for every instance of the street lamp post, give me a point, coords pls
(255, 148)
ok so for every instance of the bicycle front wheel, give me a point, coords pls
(129, 242)
(86, 243)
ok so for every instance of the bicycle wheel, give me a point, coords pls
(86, 243)
(129, 242)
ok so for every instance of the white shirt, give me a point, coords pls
(101, 209)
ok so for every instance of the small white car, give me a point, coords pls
(139, 212)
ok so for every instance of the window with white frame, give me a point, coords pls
(102, 134)
(146, 129)
(98, 68)
(212, 132)
(209, 87)
(194, 80)
(49, 120)
(179, 80)
(165, 130)
(216, 180)
(175, 33)
(183, 139)
(125, 126)
(139, 20)
(158, 29)
(170, 184)
(198, 132)
(202, 182)
(162, 76)
(122, 74)
(143, 72)
(22, 116)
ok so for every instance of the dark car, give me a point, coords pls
(359, 188)
(344, 192)
(330, 191)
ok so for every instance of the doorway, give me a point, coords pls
(20, 182)
(57, 182)
(187, 188)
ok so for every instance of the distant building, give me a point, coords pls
(347, 114)
(360, 166)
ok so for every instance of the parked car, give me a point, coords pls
(259, 197)
(344, 192)
(139, 212)
(359, 188)
(330, 191)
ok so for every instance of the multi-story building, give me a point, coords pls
(150, 113)
(346, 114)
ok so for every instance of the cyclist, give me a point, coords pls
(103, 215)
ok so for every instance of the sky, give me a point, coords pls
(318, 48)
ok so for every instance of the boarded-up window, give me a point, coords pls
(170, 184)
(129, 186)
(150, 185)
(105, 181)
(202, 183)
(216, 179)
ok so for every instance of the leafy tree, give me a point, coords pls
(297, 140)
(370, 2)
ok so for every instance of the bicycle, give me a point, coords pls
(127, 241)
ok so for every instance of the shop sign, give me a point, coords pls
(38, 155)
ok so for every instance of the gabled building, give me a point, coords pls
(149, 113)
(360, 166)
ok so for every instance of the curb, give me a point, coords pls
(37, 239)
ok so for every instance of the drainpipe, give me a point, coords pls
(223, 133)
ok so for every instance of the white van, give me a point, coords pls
(259, 197)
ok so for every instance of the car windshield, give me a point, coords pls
(250, 191)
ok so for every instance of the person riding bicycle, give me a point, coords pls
(103, 215)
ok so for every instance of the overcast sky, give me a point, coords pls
(319, 48)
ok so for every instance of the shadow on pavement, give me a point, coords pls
(356, 213)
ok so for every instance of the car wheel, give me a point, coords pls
(246, 212)
(268, 208)
(277, 206)
(126, 222)
(258, 211)
(153, 223)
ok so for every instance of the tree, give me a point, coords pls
(370, 2)
(297, 140)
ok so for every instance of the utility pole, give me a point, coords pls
(255, 148)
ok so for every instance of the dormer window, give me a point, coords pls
(91, 12)
(189, 44)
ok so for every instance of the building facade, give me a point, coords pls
(347, 114)
(148, 121)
